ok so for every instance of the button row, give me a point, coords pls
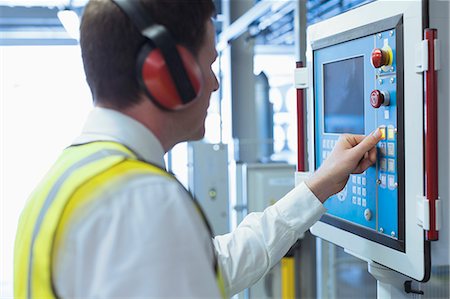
(388, 132)
(329, 143)
(358, 180)
(387, 149)
(387, 180)
(356, 200)
(387, 165)
(359, 191)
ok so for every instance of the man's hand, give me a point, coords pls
(352, 154)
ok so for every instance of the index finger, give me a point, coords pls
(368, 142)
(350, 140)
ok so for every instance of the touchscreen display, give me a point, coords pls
(344, 96)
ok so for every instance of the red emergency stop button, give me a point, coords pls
(379, 58)
(378, 98)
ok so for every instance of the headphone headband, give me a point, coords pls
(133, 9)
(163, 40)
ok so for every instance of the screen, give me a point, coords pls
(344, 96)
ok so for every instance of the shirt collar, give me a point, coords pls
(111, 125)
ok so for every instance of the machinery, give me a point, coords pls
(208, 181)
(258, 186)
(383, 65)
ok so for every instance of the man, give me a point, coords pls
(108, 221)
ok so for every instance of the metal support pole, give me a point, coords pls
(243, 90)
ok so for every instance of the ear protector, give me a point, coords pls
(167, 72)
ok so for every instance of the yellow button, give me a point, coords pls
(391, 133)
(383, 132)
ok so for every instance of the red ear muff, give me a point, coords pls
(157, 81)
(167, 72)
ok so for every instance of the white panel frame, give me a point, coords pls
(412, 262)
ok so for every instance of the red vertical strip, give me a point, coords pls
(431, 134)
(300, 126)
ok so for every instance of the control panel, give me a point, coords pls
(375, 67)
(357, 88)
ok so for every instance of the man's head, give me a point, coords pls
(111, 43)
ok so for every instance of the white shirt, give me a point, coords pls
(144, 238)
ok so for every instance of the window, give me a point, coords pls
(282, 95)
(44, 102)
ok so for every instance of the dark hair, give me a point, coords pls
(110, 43)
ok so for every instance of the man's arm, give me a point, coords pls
(262, 239)
(352, 154)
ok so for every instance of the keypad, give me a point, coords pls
(387, 160)
(327, 147)
(359, 190)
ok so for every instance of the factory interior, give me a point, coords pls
(293, 76)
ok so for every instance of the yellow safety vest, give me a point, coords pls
(81, 173)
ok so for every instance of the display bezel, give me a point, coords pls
(395, 22)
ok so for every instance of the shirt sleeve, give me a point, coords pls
(262, 239)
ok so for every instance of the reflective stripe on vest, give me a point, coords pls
(76, 179)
